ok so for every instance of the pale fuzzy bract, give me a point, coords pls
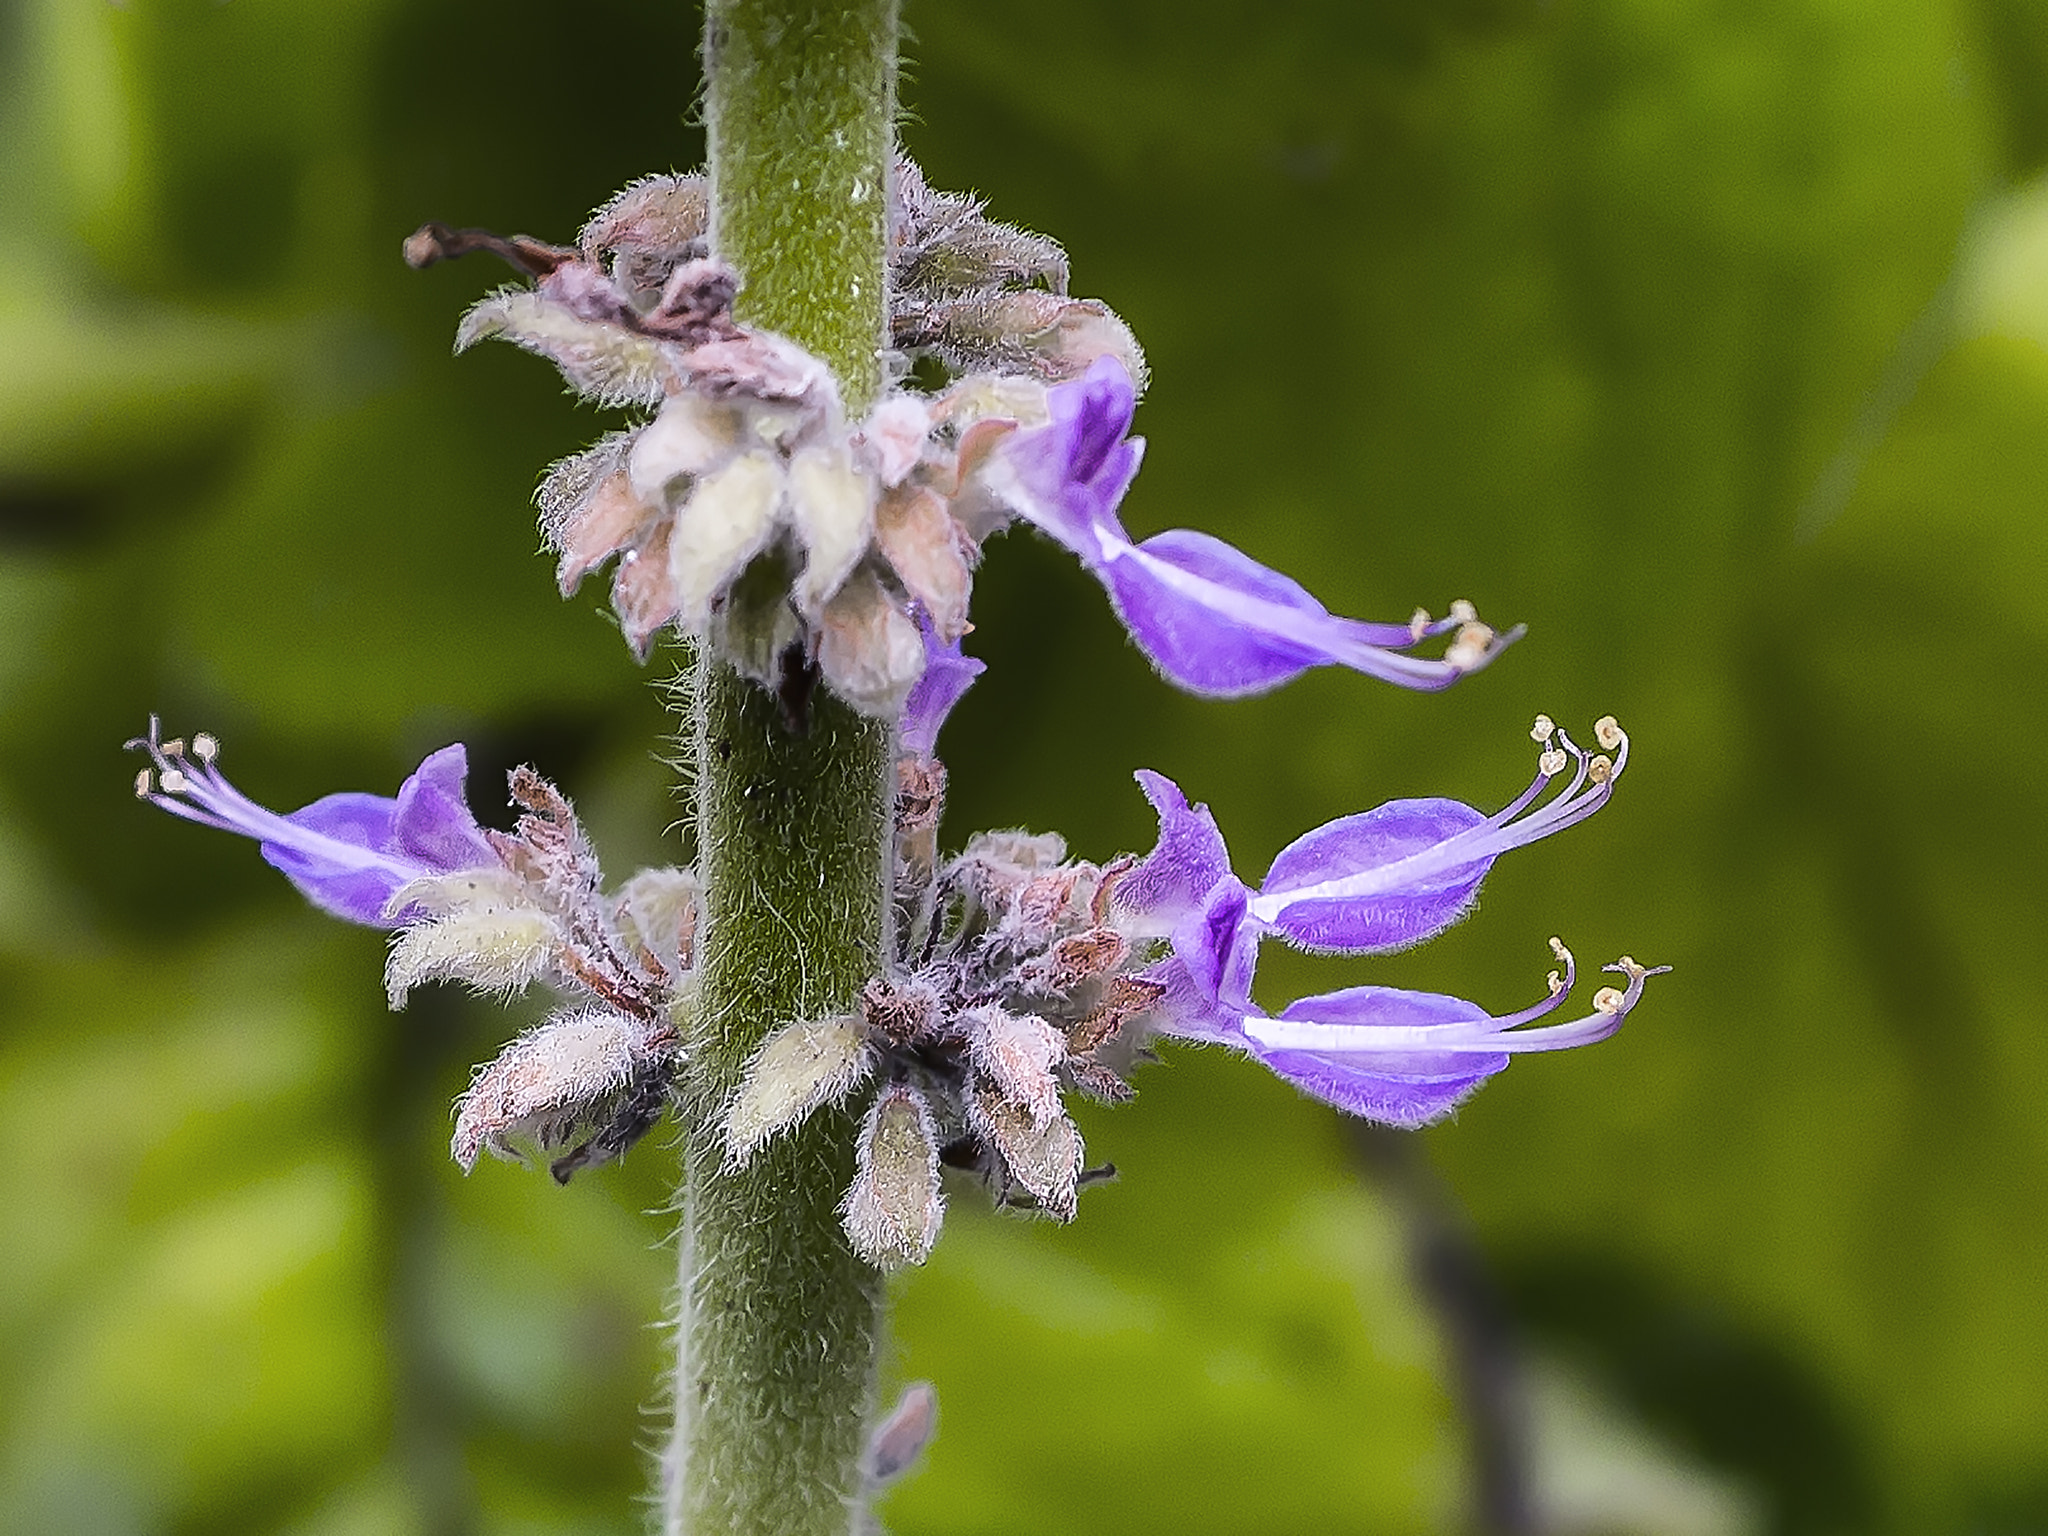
(798, 1070)
(495, 949)
(552, 1084)
(895, 1204)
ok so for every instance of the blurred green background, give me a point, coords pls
(1708, 337)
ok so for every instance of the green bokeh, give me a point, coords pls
(1708, 337)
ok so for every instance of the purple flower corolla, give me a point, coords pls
(349, 854)
(947, 676)
(1212, 619)
(1408, 1058)
(1366, 884)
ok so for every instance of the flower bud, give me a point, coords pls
(869, 648)
(893, 1209)
(797, 1071)
(606, 364)
(555, 1081)
(930, 554)
(897, 1442)
(1044, 1158)
(690, 436)
(1017, 1053)
(728, 520)
(832, 505)
(493, 948)
(658, 910)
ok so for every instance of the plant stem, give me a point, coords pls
(779, 1322)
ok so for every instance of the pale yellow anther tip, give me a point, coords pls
(1607, 1000)
(1471, 645)
(175, 747)
(1607, 731)
(205, 747)
(1600, 770)
(1418, 624)
(1556, 981)
(142, 784)
(1552, 762)
(175, 783)
(1463, 612)
(1557, 948)
(1543, 729)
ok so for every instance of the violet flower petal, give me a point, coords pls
(1402, 1100)
(1074, 471)
(1185, 865)
(948, 674)
(1373, 921)
(1219, 945)
(1188, 1011)
(433, 822)
(1216, 622)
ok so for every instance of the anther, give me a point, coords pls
(1463, 612)
(1556, 983)
(1607, 1000)
(175, 747)
(174, 782)
(1600, 770)
(1552, 762)
(1607, 731)
(1543, 729)
(1564, 956)
(1469, 648)
(1418, 626)
(205, 747)
(142, 785)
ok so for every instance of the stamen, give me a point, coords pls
(1543, 729)
(211, 801)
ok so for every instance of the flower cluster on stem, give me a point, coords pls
(804, 530)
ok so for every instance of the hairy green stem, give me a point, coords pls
(778, 1322)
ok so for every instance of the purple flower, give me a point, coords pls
(1367, 884)
(1408, 1058)
(1212, 619)
(349, 854)
(948, 675)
